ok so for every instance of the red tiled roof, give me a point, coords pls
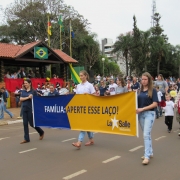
(9, 50)
(13, 51)
(64, 56)
(26, 47)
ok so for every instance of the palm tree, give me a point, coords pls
(123, 46)
(159, 49)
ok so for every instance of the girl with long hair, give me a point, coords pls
(163, 86)
(147, 103)
(84, 88)
(121, 88)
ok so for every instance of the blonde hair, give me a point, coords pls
(85, 73)
(150, 84)
(162, 78)
(168, 95)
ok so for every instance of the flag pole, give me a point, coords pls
(49, 43)
(60, 39)
(70, 47)
(49, 40)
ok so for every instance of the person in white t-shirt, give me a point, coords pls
(169, 112)
(84, 88)
(112, 87)
(98, 78)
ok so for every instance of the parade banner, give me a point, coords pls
(107, 114)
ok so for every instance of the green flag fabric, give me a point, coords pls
(40, 52)
(60, 22)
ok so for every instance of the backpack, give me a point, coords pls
(178, 109)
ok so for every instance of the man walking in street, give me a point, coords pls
(4, 98)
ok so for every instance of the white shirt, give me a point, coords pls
(159, 94)
(112, 88)
(169, 108)
(86, 87)
(98, 78)
(63, 91)
(16, 91)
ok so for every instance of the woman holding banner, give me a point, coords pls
(147, 102)
(26, 99)
(84, 88)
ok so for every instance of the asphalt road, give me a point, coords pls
(110, 158)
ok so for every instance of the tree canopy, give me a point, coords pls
(148, 51)
(25, 21)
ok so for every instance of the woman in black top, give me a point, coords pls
(147, 103)
(26, 99)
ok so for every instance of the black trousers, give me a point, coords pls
(28, 118)
(169, 122)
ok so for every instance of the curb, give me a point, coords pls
(10, 122)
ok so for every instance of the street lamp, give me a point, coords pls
(103, 59)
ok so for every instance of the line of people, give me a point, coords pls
(147, 103)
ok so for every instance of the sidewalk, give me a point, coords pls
(7, 120)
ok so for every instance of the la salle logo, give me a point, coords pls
(120, 124)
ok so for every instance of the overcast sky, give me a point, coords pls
(109, 18)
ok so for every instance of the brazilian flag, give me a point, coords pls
(40, 52)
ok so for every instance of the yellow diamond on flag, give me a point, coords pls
(41, 52)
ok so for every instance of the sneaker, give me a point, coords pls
(151, 156)
(178, 134)
(145, 161)
(19, 117)
(169, 131)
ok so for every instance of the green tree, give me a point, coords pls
(123, 45)
(159, 42)
(26, 21)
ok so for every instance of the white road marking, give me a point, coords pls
(75, 174)
(68, 139)
(160, 138)
(111, 159)
(11, 128)
(136, 148)
(27, 150)
(15, 121)
(33, 133)
(95, 132)
(176, 131)
(4, 138)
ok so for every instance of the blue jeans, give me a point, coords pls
(7, 111)
(1, 110)
(146, 120)
(82, 135)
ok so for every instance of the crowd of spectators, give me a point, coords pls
(21, 73)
